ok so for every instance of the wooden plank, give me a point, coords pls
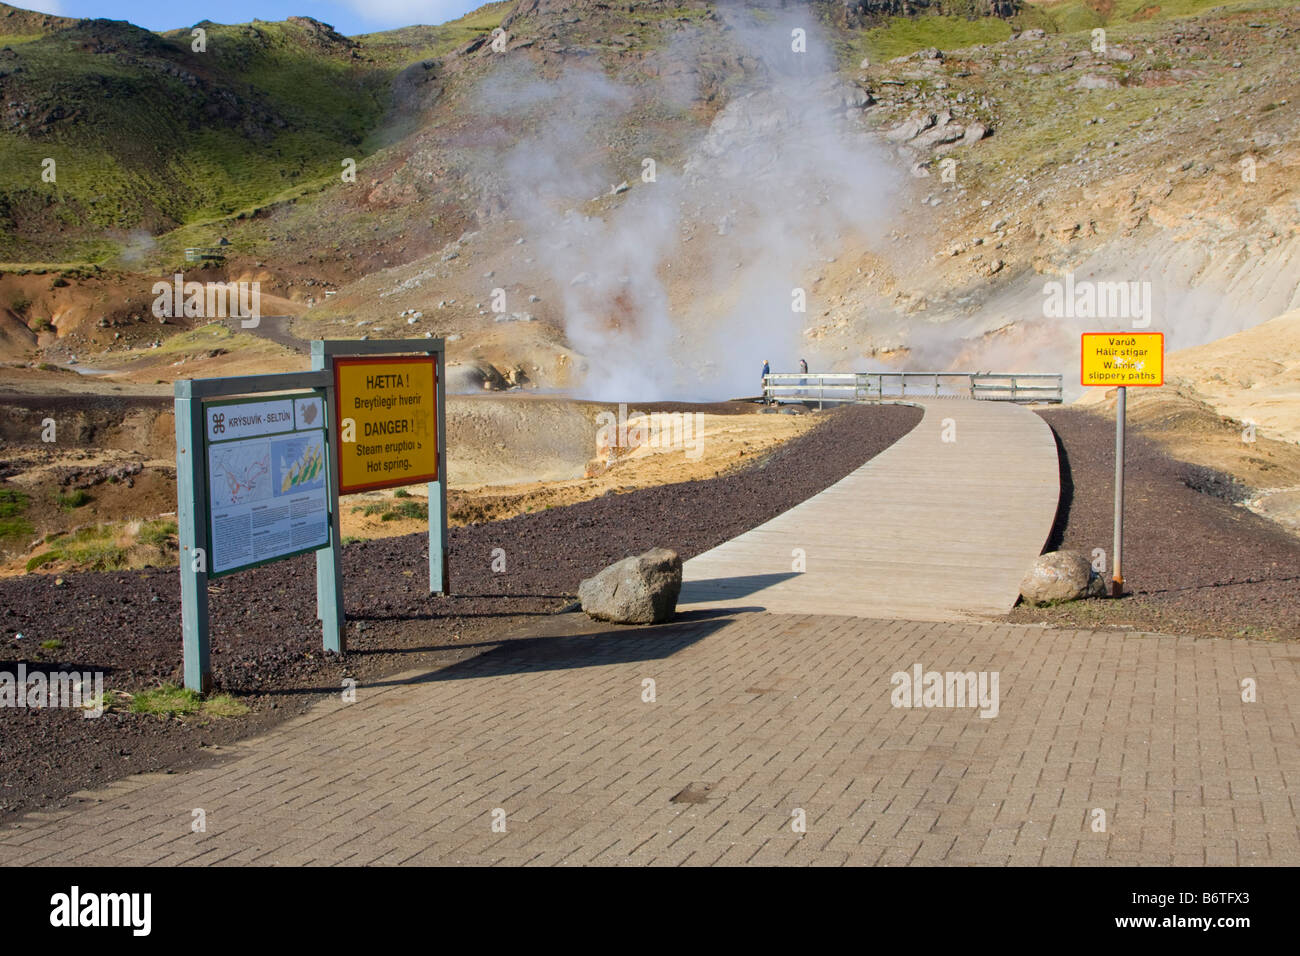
(929, 529)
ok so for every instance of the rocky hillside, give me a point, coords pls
(151, 132)
(917, 172)
(1166, 155)
(111, 134)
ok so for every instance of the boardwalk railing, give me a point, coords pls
(824, 387)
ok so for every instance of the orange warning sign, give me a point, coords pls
(386, 421)
(1124, 358)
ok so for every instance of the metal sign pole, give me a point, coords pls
(439, 572)
(1117, 580)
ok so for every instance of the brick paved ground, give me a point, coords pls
(756, 716)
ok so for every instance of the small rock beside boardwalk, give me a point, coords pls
(1061, 576)
(641, 589)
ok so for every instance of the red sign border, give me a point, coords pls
(339, 362)
(1083, 337)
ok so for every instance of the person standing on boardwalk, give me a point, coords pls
(803, 370)
(767, 370)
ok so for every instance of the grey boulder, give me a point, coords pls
(1094, 81)
(641, 589)
(1061, 576)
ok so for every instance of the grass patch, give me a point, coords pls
(107, 547)
(166, 701)
(54, 644)
(77, 498)
(413, 510)
(12, 522)
(405, 507)
(213, 336)
(904, 35)
(303, 102)
(41, 560)
(901, 36)
(223, 705)
(397, 48)
(694, 13)
(157, 533)
(1068, 16)
(98, 554)
(172, 701)
(12, 502)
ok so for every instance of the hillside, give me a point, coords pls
(150, 134)
(919, 175)
(152, 131)
(1253, 376)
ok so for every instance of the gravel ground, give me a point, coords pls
(1194, 562)
(266, 643)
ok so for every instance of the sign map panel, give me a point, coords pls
(268, 496)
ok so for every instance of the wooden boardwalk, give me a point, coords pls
(928, 530)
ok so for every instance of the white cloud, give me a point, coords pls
(402, 13)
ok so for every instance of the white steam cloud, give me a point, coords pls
(683, 286)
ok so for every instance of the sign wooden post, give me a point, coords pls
(1118, 360)
(193, 533)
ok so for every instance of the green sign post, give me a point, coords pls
(257, 480)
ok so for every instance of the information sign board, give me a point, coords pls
(268, 497)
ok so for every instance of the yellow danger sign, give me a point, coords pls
(387, 422)
(1124, 358)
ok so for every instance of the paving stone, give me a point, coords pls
(710, 774)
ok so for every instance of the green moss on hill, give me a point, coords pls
(147, 132)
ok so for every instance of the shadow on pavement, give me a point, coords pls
(565, 650)
(731, 587)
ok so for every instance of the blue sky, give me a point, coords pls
(348, 16)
